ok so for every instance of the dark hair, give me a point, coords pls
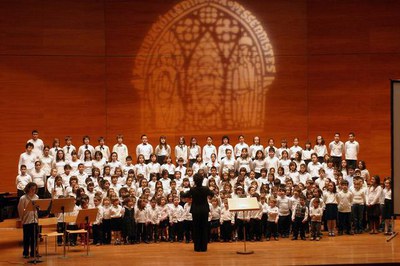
(85, 137)
(377, 180)
(35, 131)
(29, 144)
(98, 153)
(29, 186)
(198, 180)
(225, 137)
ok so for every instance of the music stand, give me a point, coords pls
(243, 204)
(37, 205)
(62, 206)
(87, 216)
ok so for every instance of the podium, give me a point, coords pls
(62, 206)
(35, 206)
(243, 204)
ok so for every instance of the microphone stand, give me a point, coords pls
(35, 224)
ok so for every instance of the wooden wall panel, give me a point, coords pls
(59, 96)
(76, 59)
(52, 27)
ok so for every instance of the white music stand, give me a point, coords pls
(62, 206)
(243, 204)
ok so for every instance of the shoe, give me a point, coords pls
(312, 239)
(268, 239)
(294, 238)
(25, 256)
(317, 239)
(276, 238)
(303, 238)
(97, 244)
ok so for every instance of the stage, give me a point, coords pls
(358, 249)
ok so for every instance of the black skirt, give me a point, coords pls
(331, 211)
(116, 224)
(374, 210)
(387, 209)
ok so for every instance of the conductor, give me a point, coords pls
(199, 210)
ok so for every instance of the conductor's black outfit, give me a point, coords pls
(199, 210)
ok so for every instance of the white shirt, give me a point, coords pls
(227, 164)
(259, 164)
(272, 163)
(169, 167)
(373, 195)
(22, 180)
(46, 164)
(67, 151)
(222, 151)
(153, 168)
(359, 195)
(104, 150)
(306, 154)
(181, 152)
(38, 146)
(336, 148)
(293, 150)
(313, 168)
(194, 151)
(320, 150)
(254, 149)
(345, 200)
(28, 160)
(351, 150)
(83, 148)
(162, 150)
(121, 150)
(244, 162)
(207, 151)
(38, 177)
(99, 164)
(145, 150)
(239, 147)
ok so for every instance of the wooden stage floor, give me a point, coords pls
(357, 249)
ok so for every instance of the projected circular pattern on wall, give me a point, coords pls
(204, 65)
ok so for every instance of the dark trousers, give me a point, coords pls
(226, 231)
(200, 231)
(284, 225)
(160, 159)
(272, 229)
(315, 229)
(60, 229)
(188, 229)
(357, 211)
(41, 192)
(255, 229)
(344, 221)
(176, 232)
(299, 226)
(29, 238)
(337, 161)
(152, 230)
(72, 237)
(141, 232)
(97, 234)
(242, 226)
(351, 163)
(264, 222)
(106, 231)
